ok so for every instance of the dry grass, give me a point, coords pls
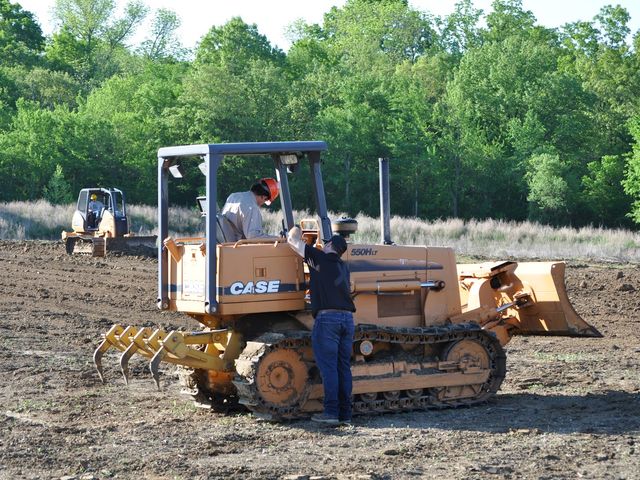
(503, 239)
(494, 239)
(32, 220)
(41, 220)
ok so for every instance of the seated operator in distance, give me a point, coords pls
(333, 327)
(94, 210)
(241, 212)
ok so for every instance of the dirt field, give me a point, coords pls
(569, 408)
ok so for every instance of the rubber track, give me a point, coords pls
(248, 362)
(94, 247)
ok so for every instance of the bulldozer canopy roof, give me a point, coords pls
(254, 148)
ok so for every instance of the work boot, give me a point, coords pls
(322, 418)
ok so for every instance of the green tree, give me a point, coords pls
(460, 31)
(364, 31)
(508, 19)
(603, 191)
(551, 193)
(47, 87)
(511, 99)
(608, 69)
(136, 110)
(163, 42)
(90, 42)
(413, 137)
(21, 39)
(41, 139)
(235, 45)
(58, 190)
(344, 92)
(631, 182)
(93, 21)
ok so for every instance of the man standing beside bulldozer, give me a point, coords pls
(333, 327)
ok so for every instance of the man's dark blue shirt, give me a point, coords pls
(330, 281)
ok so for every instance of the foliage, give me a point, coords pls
(91, 41)
(234, 45)
(549, 190)
(58, 190)
(631, 182)
(21, 39)
(604, 192)
(483, 114)
(163, 42)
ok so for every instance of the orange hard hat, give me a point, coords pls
(272, 186)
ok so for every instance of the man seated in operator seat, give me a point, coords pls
(241, 212)
(94, 211)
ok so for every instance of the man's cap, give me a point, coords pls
(339, 244)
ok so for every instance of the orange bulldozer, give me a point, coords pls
(429, 332)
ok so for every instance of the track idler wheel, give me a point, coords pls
(471, 355)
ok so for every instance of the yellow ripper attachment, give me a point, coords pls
(215, 349)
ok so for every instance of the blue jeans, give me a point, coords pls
(332, 340)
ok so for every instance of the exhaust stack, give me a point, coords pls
(385, 202)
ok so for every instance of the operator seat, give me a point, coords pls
(220, 238)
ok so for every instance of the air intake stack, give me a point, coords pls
(385, 202)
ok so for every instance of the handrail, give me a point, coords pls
(249, 241)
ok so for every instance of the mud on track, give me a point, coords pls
(569, 408)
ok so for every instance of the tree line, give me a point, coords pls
(483, 114)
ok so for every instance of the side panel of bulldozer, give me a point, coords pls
(388, 284)
(252, 278)
(377, 273)
(444, 303)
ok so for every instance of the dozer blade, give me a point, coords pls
(538, 289)
(144, 245)
(552, 312)
(80, 246)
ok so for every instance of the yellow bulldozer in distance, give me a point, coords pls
(429, 333)
(100, 224)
